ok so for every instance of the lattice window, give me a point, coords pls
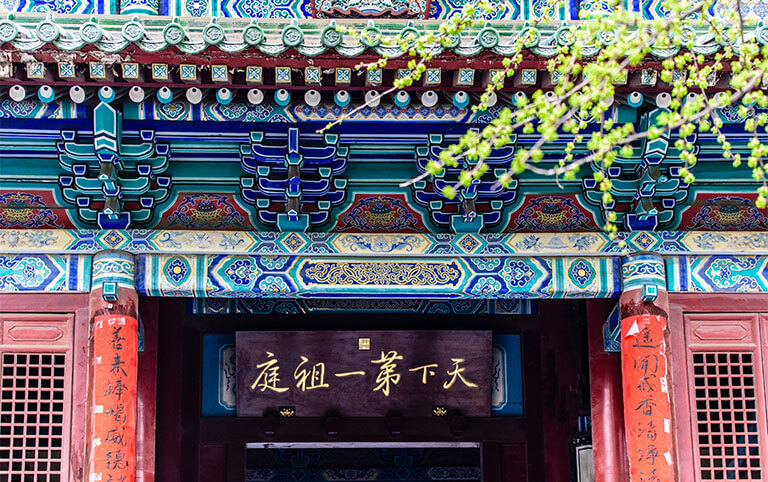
(35, 406)
(32, 416)
(726, 416)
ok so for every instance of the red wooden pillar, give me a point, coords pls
(644, 308)
(608, 440)
(113, 368)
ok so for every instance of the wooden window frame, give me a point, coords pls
(682, 304)
(62, 304)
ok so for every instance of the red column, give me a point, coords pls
(645, 369)
(112, 379)
(609, 450)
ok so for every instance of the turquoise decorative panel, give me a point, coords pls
(612, 331)
(173, 275)
(440, 9)
(506, 376)
(39, 273)
(739, 274)
(228, 276)
(53, 6)
(34, 109)
(639, 270)
(112, 267)
(219, 376)
(139, 7)
(303, 306)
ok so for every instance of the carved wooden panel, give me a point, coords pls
(715, 331)
(36, 330)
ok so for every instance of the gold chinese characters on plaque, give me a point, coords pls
(322, 372)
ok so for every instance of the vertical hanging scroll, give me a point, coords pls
(113, 418)
(647, 407)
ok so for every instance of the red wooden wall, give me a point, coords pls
(58, 323)
(44, 340)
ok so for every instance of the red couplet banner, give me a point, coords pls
(647, 409)
(113, 410)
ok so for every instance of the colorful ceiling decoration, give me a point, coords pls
(114, 173)
(159, 123)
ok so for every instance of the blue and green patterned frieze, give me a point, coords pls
(42, 272)
(68, 7)
(298, 9)
(287, 306)
(296, 110)
(257, 276)
(282, 9)
(587, 244)
(32, 108)
(718, 274)
(282, 278)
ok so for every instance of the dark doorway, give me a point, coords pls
(530, 447)
(363, 462)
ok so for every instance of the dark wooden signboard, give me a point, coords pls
(363, 373)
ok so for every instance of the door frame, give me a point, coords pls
(700, 303)
(75, 304)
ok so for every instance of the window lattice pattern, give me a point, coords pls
(726, 416)
(32, 417)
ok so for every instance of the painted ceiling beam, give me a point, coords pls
(366, 245)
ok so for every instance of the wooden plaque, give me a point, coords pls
(364, 373)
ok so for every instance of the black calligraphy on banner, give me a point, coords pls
(113, 414)
(647, 409)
